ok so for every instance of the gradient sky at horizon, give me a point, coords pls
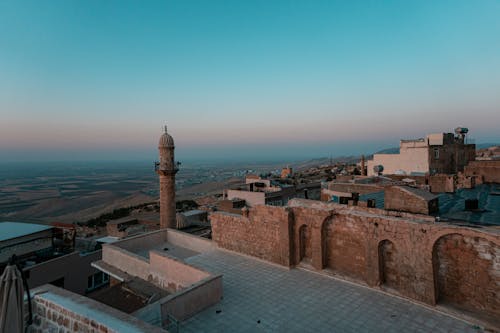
(234, 79)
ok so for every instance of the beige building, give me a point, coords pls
(261, 191)
(438, 153)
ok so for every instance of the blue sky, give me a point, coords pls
(282, 79)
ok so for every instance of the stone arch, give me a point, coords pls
(387, 264)
(305, 244)
(327, 242)
(466, 273)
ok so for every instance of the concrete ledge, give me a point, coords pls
(193, 299)
(112, 271)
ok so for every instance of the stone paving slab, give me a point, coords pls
(262, 297)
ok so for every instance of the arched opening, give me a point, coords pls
(465, 273)
(326, 240)
(305, 246)
(388, 272)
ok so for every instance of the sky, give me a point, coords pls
(243, 79)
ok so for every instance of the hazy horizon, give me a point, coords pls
(256, 80)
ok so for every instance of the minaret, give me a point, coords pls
(363, 168)
(166, 169)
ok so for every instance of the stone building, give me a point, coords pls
(401, 253)
(410, 199)
(438, 153)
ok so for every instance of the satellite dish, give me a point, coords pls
(378, 168)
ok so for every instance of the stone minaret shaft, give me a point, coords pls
(166, 169)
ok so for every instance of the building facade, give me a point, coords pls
(438, 153)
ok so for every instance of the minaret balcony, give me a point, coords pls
(166, 169)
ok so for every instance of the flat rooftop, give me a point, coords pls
(173, 250)
(10, 230)
(263, 297)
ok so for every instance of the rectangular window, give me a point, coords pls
(98, 279)
(436, 153)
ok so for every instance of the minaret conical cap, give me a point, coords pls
(166, 140)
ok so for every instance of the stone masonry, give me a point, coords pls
(60, 311)
(405, 254)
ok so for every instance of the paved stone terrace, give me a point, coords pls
(301, 301)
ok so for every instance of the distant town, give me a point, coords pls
(421, 223)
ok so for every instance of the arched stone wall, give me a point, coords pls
(345, 248)
(467, 273)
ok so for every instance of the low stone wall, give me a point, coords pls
(189, 301)
(133, 244)
(58, 310)
(188, 241)
(488, 171)
(126, 261)
(172, 274)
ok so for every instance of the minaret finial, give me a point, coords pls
(165, 128)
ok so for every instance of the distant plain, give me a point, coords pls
(77, 191)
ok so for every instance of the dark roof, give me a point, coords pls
(451, 205)
(10, 230)
(123, 220)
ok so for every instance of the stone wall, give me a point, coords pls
(442, 183)
(264, 234)
(58, 310)
(488, 171)
(398, 252)
(398, 198)
(465, 272)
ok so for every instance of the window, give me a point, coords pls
(436, 153)
(97, 280)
